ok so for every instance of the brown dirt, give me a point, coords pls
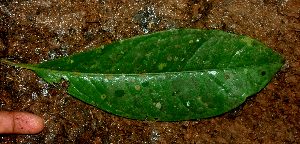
(39, 31)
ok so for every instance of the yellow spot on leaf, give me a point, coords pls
(200, 98)
(143, 74)
(77, 73)
(191, 41)
(148, 55)
(179, 67)
(99, 50)
(109, 76)
(247, 40)
(137, 87)
(72, 61)
(245, 71)
(162, 66)
(169, 58)
(206, 105)
(175, 58)
(103, 96)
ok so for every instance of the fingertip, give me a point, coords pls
(20, 123)
(27, 123)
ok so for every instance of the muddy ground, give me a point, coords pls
(39, 31)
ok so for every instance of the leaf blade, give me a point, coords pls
(190, 74)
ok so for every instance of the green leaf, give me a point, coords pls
(171, 75)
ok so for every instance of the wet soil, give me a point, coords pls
(39, 31)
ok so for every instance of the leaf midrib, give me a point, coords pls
(32, 67)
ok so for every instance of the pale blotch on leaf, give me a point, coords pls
(77, 73)
(109, 76)
(143, 74)
(148, 55)
(161, 66)
(191, 41)
(169, 58)
(137, 87)
(247, 40)
(206, 105)
(175, 58)
(200, 98)
(245, 71)
(158, 105)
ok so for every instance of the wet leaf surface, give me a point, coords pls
(167, 76)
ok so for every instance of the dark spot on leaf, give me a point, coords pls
(119, 93)
(144, 84)
(263, 73)
(227, 76)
